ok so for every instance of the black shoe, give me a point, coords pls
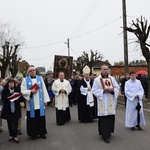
(106, 140)
(139, 128)
(133, 128)
(43, 136)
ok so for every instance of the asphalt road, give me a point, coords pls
(80, 136)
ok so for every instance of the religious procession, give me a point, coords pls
(95, 97)
(74, 75)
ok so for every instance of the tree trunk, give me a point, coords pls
(148, 63)
(3, 71)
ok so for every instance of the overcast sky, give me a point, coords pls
(90, 24)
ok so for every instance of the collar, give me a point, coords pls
(86, 80)
(104, 76)
(33, 77)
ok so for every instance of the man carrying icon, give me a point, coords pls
(106, 89)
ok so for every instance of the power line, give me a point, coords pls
(47, 56)
(96, 28)
(55, 43)
(87, 14)
(39, 46)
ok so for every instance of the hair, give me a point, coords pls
(61, 72)
(132, 72)
(10, 80)
(29, 68)
(104, 65)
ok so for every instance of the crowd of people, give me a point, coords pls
(95, 97)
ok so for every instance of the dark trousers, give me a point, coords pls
(71, 98)
(12, 123)
(125, 100)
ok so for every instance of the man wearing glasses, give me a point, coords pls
(35, 93)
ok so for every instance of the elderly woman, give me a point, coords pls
(11, 108)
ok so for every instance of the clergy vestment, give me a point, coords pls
(132, 88)
(61, 100)
(86, 112)
(106, 105)
(36, 122)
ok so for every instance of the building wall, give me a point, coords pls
(119, 70)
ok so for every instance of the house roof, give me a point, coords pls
(100, 63)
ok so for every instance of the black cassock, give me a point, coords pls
(85, 112)
(37, 125)
(62, 116)
(106, 126)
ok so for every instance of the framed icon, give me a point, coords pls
(106, 83)
(64, 64)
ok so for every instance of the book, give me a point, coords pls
(35, 86)
(14, 96)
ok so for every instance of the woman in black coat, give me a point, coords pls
(11, 110)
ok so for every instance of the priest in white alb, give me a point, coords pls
(134, 113)
(34, 91)
(62, 88)
(106, 89)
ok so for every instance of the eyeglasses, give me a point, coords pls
(31, 70)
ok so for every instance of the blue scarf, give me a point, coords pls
(41, 98)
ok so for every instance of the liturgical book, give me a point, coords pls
(35, 86)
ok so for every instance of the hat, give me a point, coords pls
(86, 69)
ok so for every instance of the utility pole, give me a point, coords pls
(68, 45)
(125, 38)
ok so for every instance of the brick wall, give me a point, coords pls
(119, 70)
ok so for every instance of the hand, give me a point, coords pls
(45, 103)
(11, 91)
(109, 90)
(136, 96)
(33, 91)
(89, 89)
(62, 91)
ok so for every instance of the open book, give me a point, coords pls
(14, 96)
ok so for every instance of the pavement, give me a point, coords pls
(80, 136)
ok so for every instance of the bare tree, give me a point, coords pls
(8, 33)
(87, 59)
(141, 29)
(10, 41)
